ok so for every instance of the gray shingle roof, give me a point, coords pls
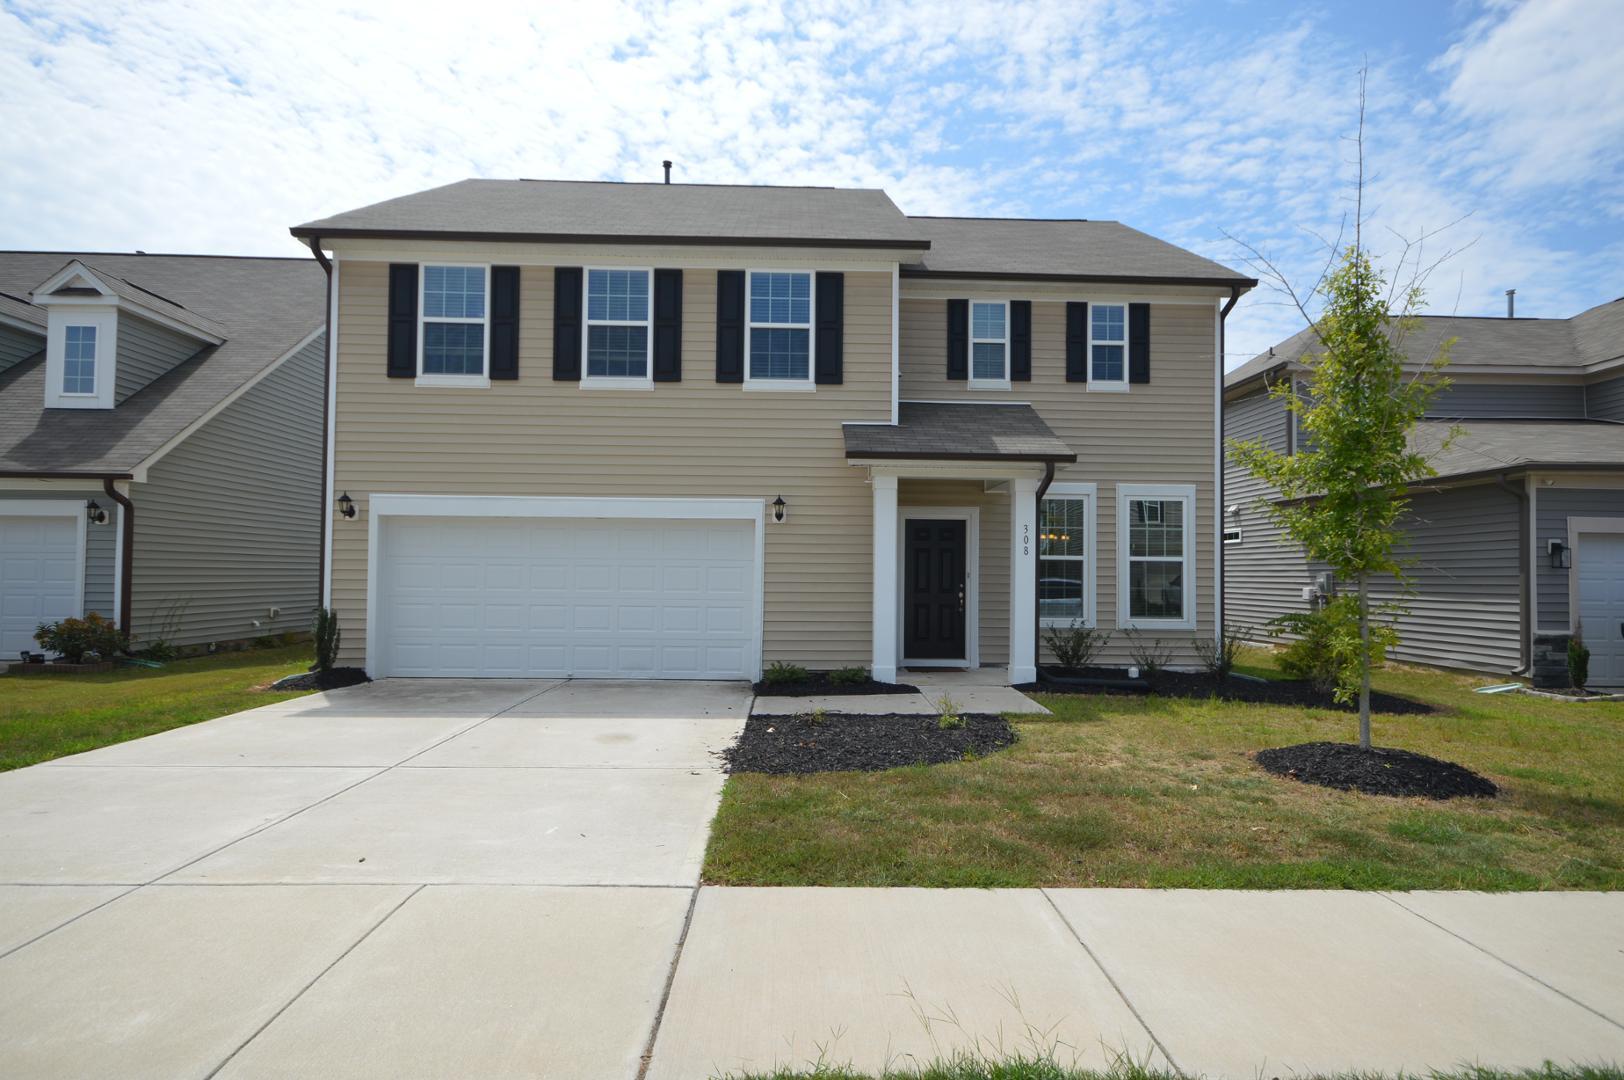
(959, 432)
(146, 298)
(19, 309)
(1487, 446)
(263, 306)
(592, 211)
(1085, 250)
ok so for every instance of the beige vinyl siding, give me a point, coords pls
(228, 524)
(18, 345)
(100, 541)
(993, 565)
(696, 438)
(1264, 574)
(147, 351)
(1159, 432)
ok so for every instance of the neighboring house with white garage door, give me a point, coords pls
(160, 444)
(1518, 542)
(680, 431)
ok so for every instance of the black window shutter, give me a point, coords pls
(403, 320)
(1076, 342)
(958, 339)
(1139, 343)
(730, 326)
(1020, 340)
(668, 326)
(831, 324)
(504, 322)
(567, 323)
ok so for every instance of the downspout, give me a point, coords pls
(1524, 572)
(326, 517)
(1037, 579)
(126, 525)
(1218, 468)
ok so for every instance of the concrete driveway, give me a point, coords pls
(504, 868)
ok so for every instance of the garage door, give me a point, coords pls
(39, 577)
(588, 598)
(1601, 605)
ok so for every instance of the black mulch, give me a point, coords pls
(1377, 771)
(331, 679)
(851, 742)
(818, 682)
(1200, 684)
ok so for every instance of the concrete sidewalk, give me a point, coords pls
(980, 691)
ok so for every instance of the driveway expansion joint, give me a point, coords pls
(670, 981)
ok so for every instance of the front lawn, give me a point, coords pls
(1148, 792)
(50, 716)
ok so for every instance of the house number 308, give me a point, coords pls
(1026, 539)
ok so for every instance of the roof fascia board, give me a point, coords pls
(521, 254)
(22, 324)
(305, 233)
(867, 457)
(1059, 291)
(1245, 283)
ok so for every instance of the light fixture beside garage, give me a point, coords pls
(780, 509)
(346, 506)
(1561, 555)
(95, 514)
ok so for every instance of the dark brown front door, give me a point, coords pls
(933, 597)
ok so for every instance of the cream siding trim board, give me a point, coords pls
(330, 390)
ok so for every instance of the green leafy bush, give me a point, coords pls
(1150, 655)
(76, 639)
(948, 716)
(327, 637)
(1578, 662)
(779, 673)
(1076, 645)
(849, 676)
(1325, 646)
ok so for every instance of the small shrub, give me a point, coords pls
(1578, 662)
(849, 676)
(818, 717)
(948, 716)
(159, 650)
(1218, 654)
(76, 639)
(1075, 646)
(264, 641)
(778, 673)
(1150, 655)
(1325, 649)
(327, 637)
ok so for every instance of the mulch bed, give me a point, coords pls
(861, 743)
(1200, 684)
(331, 679)
(1377, 771)
(818, 682)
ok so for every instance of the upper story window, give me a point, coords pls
(989, 343)
(618, 341)
(780, 331)
(454, 336)
(1108, 346)
(1156, 537)
(79, 360)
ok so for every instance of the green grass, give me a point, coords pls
(976, 1068)
(1149, 792)
(50, 716)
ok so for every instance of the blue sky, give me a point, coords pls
(174, 126)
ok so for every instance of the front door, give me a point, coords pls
(933, 597)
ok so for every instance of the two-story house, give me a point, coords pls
(680, 431)
(1518, 541)
(160, 444)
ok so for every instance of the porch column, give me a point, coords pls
(1023, 580)
(883, 667)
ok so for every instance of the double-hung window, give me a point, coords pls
(619, 343)
(1066, 555)
(1156, 556)
(780, 331)
(989, 344)
(455, 336)
(1108, 346)
(79, 360)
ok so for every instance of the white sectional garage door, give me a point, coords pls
(1601, 605)
(40, 565)
(583, 597)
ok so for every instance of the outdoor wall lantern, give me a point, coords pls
(346, 506)
(1561, 555)
(95, 514)
(780, 509)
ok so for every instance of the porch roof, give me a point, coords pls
(959, 431)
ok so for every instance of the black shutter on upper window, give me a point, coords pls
(1020, 340)
(730, 326)
(1076, 342)
(567, 323)
(1138, 343)
(830, 320)
(668, 326)
(958, 339)
(402, 350)
(504, 322)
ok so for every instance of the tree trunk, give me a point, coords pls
(1364, 665)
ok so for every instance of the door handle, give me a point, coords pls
(961, 605)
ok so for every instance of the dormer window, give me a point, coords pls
(79, 360)
(80, 346)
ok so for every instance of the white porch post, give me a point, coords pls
(883, 668)
(1023, 580)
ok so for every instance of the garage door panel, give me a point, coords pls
(1601, 605)
(40, 565)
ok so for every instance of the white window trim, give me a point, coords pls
(1235, 535)
(105, 320)
(616, 382)
(811, 327)
(971, 516)
(1089, 493)
(1165, 492)
(480, 381)
(970, 361)
(1107, 386)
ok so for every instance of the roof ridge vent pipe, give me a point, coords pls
(667, 165)
(1511, 299)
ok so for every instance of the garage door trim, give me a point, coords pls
(381, 506)
(57, 508)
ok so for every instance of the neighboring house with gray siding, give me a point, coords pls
(160, 444)
(1521, 533)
